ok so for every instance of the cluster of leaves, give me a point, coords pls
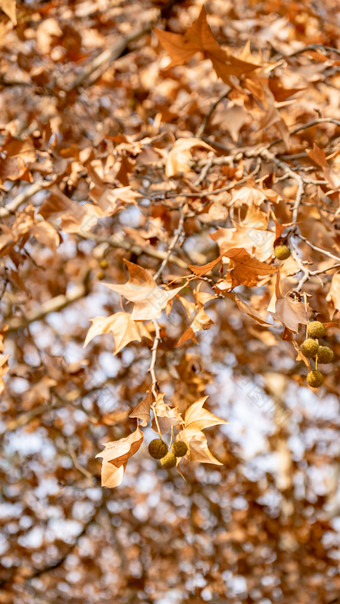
(189, 145)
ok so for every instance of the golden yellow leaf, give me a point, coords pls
(121, 325)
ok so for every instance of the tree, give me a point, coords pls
(169, 241)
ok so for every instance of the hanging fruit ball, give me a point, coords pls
(310, 347)
(157, 448)
(179, 448)
(103, 263)
(325, 355)
(281, 252)
(316, 329)
(169, 460)
(314, 379)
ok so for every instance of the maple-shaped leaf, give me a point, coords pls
(197, 418)
(202, 321)
(289, 312)
(142, 410)
(253, 239)
(116, 455)
(180, 155)
(199, 38)
(245, 270)
(149, 299)
(167, 416)
(319, 157)
(197, 444)
(122, 326)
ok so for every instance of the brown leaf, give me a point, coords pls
(16, 156)
(149, 299)
(245, 270)
(199, 271)
(142, 410)
(334, 292)
(180, 155)
(197, 418)
(199, 38)
(8, 6)
(202, 321)
(289, 312)
(167, 416)
(122, 326)
(3, 369)
(198, 447)
(116, 455)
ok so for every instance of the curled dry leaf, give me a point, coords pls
(198, 446)
(180, 155)
(149, 299)
(142, 410)
(197, 418)
(122, 326)
(116, 455)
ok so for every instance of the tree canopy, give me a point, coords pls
(170, 274)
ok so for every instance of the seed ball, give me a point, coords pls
(157, 448)
(169, 460)
(103, 263)
(310, 347)
(100, 276)
(179, 448)
(325, 354)
(281, 252)
(316, 329)
(314, 379)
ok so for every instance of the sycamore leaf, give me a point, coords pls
(286, 310)
(253, 239)
(199, 271)
(202, 321)
(167, 416)
(122, 326)
(180, 155)
(245, 270)
(199, 38)
(3, 369)
(148, 298)
(116, 455)
(334, 292)
(198, 447)
(142, 410)
(197, 418)
(8, 7)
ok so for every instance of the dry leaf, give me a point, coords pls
(149, 299)
(180, 155)
(116, 455)
(198, 447)
(3, 369)
(334, 292)
(197, 418)
(142, 410)
(8, 6)
(121, 325)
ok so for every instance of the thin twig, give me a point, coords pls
(152, 372)
(37, 186)
(320, 120)
(173, 242)
(53, 305)
(318, 249)
(101, 63)
(204, 124)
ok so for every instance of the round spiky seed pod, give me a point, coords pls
(103, 263)
(157, 448)
(281, 252)
(316, 329)
(309, 347)
(325, 355)
(314, 379)
(100, 276)
(169, 460)
(179, 448)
